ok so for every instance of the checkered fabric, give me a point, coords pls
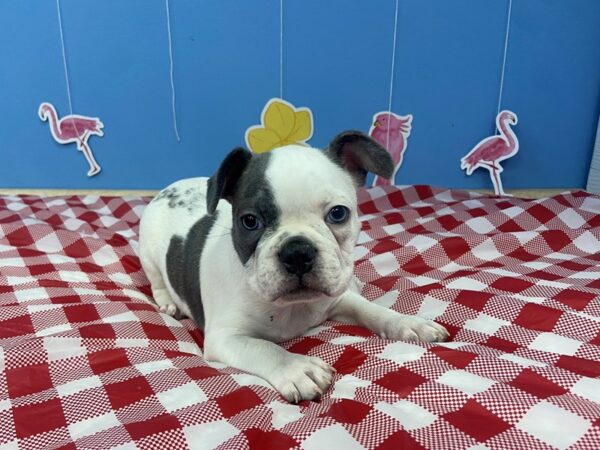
(88, 362)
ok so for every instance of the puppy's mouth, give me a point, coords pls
(300, 294)
(303, 293)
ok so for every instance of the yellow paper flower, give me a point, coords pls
(281, 124)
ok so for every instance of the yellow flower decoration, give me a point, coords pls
(281, 124)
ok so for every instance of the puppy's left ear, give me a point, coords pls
(358, 154)
(223, 183)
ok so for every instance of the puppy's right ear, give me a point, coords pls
(223, 183)
(358, 154)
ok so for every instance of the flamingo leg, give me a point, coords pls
(378, 181)
(89, 156)
(495, 173)
(82, 140)
(499, 183)
(491, 165)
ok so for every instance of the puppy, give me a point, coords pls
(263, 250)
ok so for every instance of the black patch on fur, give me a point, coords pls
(253, 195)
(183, 265)
(177, 198)
(358, 154)
(171, 195)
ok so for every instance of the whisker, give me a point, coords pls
(222, 226)
(217, 235)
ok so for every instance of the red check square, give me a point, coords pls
(81, 313)
(585, 367)
(385, 246)
(273, 439)
(501, 344)
(28, 380)
(98, 330)
(38, 418)
(511, 284)
(17, 326)
(237, 401)
(538, 317)
(154, 331)
(348, 411)
(416, 266)
(457, 358)
(127, 392)
(401, 439)
(402, 381)
(535, 384)
(473, 299)
(476, 421)
(305, 345)
(455, 247)
(556, 239)
(155, 425)
(202, 372)
(107, 360)
(350, 360)
(577, 300)
(541, 213)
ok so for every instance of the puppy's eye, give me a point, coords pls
(338, 214)
(251, 222)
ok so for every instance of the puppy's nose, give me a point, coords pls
(297, 255)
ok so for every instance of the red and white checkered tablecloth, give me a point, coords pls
(88, 362)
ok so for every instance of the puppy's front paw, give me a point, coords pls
(302, 378)
(412, 328)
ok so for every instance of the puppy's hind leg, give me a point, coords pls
(163, 300)
(160, 293)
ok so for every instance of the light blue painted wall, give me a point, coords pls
(337, 57)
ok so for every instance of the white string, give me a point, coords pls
(64, 56)
(504, 59)
(392, 72)
(171, 72)
(281, 49)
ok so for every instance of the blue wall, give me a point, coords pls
(337, 56)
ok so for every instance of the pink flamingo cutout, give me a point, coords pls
(74, 128)
(392, 132)
(490, 151)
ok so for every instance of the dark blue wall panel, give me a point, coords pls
(336, 62)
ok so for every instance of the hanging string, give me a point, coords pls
(64, 56)
(171, 72)
(387, 142)
(281, 49)
(504, 60)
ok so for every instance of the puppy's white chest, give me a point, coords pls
(280, 324)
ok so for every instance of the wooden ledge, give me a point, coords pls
(523, 193)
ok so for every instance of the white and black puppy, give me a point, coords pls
(272, 260)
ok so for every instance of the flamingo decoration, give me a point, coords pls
(490, 151)
(74, 128)
(392, 132)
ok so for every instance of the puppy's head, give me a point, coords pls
(295, 219)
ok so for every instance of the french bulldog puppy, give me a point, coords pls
(263, 250)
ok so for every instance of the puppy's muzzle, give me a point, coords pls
(297, 255)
